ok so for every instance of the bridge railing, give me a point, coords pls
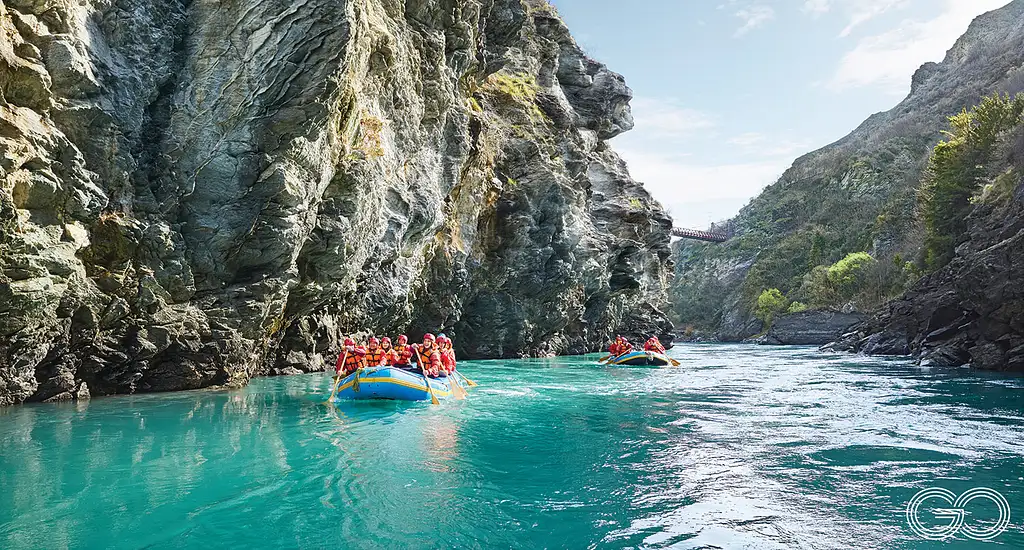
(696, 234)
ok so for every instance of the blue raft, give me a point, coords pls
(640, 359)
(390, 383)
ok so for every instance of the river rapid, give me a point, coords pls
(739, 447)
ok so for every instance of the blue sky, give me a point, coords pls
(729, 92)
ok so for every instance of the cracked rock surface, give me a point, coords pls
(194, 192)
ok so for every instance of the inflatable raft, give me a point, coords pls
(640, 359)
(390, 383)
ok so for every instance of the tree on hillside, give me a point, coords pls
(957, 168)
(770, 303)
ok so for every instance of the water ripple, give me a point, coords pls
(741, 447)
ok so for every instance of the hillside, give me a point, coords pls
(857, 195)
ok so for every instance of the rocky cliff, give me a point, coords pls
(810, 328)
(971, 311)
(856, 195)
(193, 193)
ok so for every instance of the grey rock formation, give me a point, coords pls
(970, 312)
(811, 328)
(195, 193)
(858, 194)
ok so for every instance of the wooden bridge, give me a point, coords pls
(697, 235)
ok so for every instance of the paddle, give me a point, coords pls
(605, 358)
(423, 371)
(471, 383)
(338, 379)
(457, 390)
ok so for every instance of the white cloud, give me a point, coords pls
(662, 153)
(753, 17)
(666, 119)
(695, 193)
(817, 7)
(862, 11)
(889, 59)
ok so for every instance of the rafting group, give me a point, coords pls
(408, 372)
(621, 352)
(427, 371)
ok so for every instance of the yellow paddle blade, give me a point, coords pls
(337, 378)
(471, 383)
(433, 398)
(334, 391)
(457, 390)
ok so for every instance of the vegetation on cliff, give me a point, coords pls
(959, 167)
(853, 225)
(194, 193)
(970, 309)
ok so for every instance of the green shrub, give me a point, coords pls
(797, 307)
(958, 166)
(770, 303)
(849, 274)
(818, 289)
(516, 90)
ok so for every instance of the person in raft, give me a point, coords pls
(444, 345)
(654, 345)
(385, 346)
(429, 356)
(401, 355)
(374, 353)
(354, 358)
(620, 346)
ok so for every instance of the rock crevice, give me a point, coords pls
(196, 193)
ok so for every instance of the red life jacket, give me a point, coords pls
(654, 346)
(400, 355)
(356, 359)
(448, 359)
(374, 356)
(430, 360)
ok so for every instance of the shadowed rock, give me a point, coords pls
(195, 193)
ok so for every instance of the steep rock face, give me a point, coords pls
(970, 312)
(195, 193)
(858, 194)
(811, 328)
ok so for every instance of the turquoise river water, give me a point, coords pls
(741, 447)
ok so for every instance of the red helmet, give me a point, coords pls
(349, 342)
(374, 341)
(428, 336)
(403, 339)
(385, 340)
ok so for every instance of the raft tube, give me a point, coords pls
(391, 383)
(640, 359)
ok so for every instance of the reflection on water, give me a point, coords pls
(742, 447)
